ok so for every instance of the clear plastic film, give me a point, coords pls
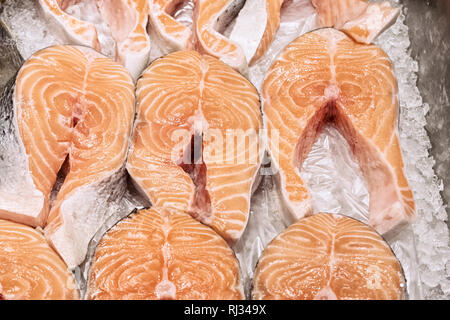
(330, 171)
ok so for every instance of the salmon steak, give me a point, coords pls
(328, 257)
(326, 77)
(69, 114)
(257, 23)
(29, 268)
(240, 32)
(211, 18)
(76, 30)
(163, 254)
(196, 140)
(359, 19)
(117, 28)
(256, 26)
(173, 34)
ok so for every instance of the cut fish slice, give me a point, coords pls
(374, 21)
(127, 20)
(163, 254)
(258, 22)
(324, 76)
(335, 13)
(77, 31)
(122, 22)
(68, 103)
(191, 110)
(328, 257)
(174, 34)
(211, 17)
(361, 20)
(256, 26)
(29, 268)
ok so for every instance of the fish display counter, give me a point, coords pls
(258, 149)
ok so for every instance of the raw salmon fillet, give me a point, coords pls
(211, 17)
(125, 21)
(29, 268)
(360, 19)
(70, 105)
(324, 76)
(163, 254)
(174, 34)
(328, 257)
(188, 101)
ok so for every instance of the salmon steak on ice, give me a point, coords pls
(328, 257)
(196, 140)
(69, 113)
(258, 21)
(29, 268)
(116, 28)
(256, 26)
(360, 19)
(173, 34)
(239, 32)
(211, 19)
(322, 77)
(163, 254)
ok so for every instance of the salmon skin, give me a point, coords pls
(187, 106)
(16, 183)
(163, 254)
(120, 24)
(69, 105)
(29, 268)
(328, 257)
(324, 76)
